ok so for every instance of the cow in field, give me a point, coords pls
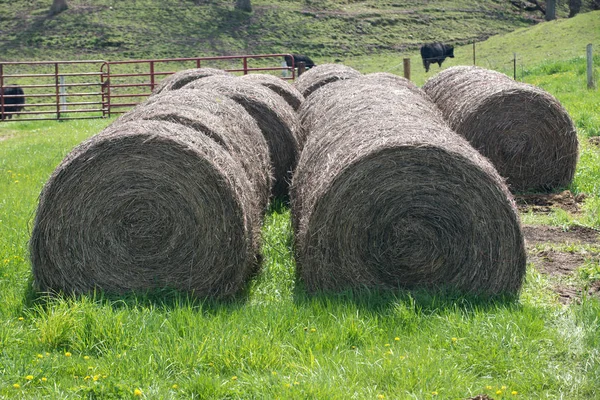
(294, 59)
(435, 53)
(12, 99)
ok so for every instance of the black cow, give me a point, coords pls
(14, 103)
(299, 58)
(435, 53)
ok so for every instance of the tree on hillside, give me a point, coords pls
(574, 7)
(58, 6)
(243, 5)
(550, 10)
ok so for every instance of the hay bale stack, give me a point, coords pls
(523, 130)
(322, 75)
(386, 195)
(391, 79)
(286, 90)
(221, 119)
(181, 78)
(145, 205)
(276, 119)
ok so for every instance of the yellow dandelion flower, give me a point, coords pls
(68, 354)
(47, 354)
(86, 377)
(17, 181)
(29, 377)
(397, 339)
(21, 318)
(381, 396)
(434, 393)
(175, 386)
(86, 357)
(287, 385)
(353, 347)
(488, 387)
(498, 391)
(17, 386)
(273, 372)
(313, 329)
(137, 392)
(44, 379)
(234, 378)
(95, 378)
(454, 339)
(503, 388)
(40, 356)
(104, 376)
(387, 345)
(514, 393)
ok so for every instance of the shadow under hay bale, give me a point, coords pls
(182, 78)
(322, 75)
(386, 195)
(286, 90)
(276, 119)
(523, 130)
(221, 119)
(146, 205)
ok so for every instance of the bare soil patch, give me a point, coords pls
(595, 140)
(535, 234)
(544, 202)
(556, 262)
(570, 294)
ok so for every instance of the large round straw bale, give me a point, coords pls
(181, 78)
(522, 129)
(221, 119)
(386, 195)
(144, 205)
(391, 79)
(286, 90)
(276, 119)
(322, 75)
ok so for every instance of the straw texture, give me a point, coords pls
(322, 75)
(181, 78)
(286, 90)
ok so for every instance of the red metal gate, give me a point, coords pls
(62, 90)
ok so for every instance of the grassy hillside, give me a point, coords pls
(115, 30)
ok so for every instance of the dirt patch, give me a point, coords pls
(535, 234)
(481, 397)
(594, 141)
(544, 203)
(556, 262)
(570, 294)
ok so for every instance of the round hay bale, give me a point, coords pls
(522, 129)
(221, 119)
(322, 75)
(181, 78)
(286, 90)
(145, 205)
(391, 79)
(386, 195)
(276, 119)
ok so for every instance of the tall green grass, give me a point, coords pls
(278, 342)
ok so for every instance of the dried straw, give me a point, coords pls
(386, 195)
(286, 90)
(522, 129)
(182, 78)
(322, 75)
(144, 205)
(276, 119)
(221, 119)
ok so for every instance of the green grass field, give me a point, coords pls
(278, 342)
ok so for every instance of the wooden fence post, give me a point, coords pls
(407, 68)
(590, 68)
(301, 67)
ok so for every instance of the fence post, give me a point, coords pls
(407, 68)
(301, 67)
(474, 54)
(63, 93)
(515, 66)
(590, 68)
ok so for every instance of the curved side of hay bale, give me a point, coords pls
(391, 79)
(523, 130)
(388, 196)
(276, 119)
(181, 78)
(286, 90)
(322, 75)
(145, 205)
(224, 121)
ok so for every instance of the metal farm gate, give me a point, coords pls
(64, 90)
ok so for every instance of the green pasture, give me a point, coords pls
(279, 342)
